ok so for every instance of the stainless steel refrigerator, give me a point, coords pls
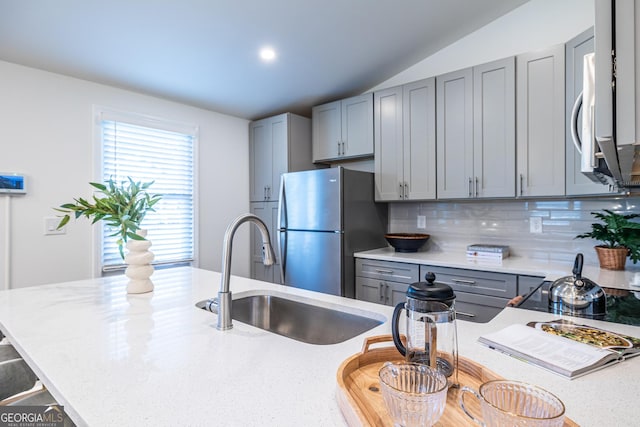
(325, 216)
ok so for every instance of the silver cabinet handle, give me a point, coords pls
(464, 282)
(470, 190)
(380, 288)
(386, 293)
(268, 192)
(381, 271)
(401, 192)
(343, 151)
(477, 187)
(462, 313)
(521, 186)
(406, 190)
(338, 148)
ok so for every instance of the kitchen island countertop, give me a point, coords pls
(154, 359)
(629, 278)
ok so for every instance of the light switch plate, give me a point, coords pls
(50, 224)
(422, 222)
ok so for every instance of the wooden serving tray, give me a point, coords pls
(360, 398)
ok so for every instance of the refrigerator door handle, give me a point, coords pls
(282, 241)
(281, 207)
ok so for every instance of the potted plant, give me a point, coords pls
(122, 206)
(620, 238)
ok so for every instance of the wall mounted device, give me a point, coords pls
(12, 183)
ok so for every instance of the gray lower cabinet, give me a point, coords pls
(501, 285)
(481, 295)
(267, 212)
(384, 282)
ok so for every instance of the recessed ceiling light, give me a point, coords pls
(267, 54)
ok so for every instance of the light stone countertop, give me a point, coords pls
(154, 359)
(624, 279)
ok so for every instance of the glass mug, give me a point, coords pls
(513, 403)
(414, 394)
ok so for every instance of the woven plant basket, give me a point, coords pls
(612, 258)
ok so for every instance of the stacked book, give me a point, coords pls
(481, 251)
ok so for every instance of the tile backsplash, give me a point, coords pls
(454, 225)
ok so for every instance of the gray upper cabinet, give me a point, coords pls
(343, 129)
(454, 140)
(494, 133)
(405, 142)
(540, 119)
(576, 182)
(277, 145)
(476, 131)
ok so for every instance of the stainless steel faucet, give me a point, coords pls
(268, 258)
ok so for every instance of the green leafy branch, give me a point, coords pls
(123, 207)
(616, 231)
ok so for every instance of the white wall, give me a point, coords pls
(537, 24)
(46, 133)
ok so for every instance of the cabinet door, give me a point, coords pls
(357, 126)
(267, 212)
(419, 139)
(540, 123)
(396, 293)
(494, 134)
(455, 134)
(280, 153)
(388, 161)
(260, 150)
(326, 131)
(370, 290)
(576, 182)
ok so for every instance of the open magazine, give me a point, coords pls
(563, 347)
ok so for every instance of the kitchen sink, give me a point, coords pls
(300, 319)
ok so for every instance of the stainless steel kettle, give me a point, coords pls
(576, 295)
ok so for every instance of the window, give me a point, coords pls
(148, 149)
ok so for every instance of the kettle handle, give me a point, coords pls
(395, 332)
(577, 266)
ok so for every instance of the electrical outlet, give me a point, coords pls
(535, 224)
(51, 224)
(422, 222)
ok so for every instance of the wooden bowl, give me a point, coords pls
(406, 242)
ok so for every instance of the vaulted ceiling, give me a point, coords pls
(205, 52)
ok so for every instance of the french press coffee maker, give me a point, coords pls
(431, 334)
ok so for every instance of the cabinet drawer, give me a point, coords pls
(387, 270)
(478, 308)
(502, 285)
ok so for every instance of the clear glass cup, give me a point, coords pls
(513, 403)
(415, 394)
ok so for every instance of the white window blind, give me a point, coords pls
(166, 157)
